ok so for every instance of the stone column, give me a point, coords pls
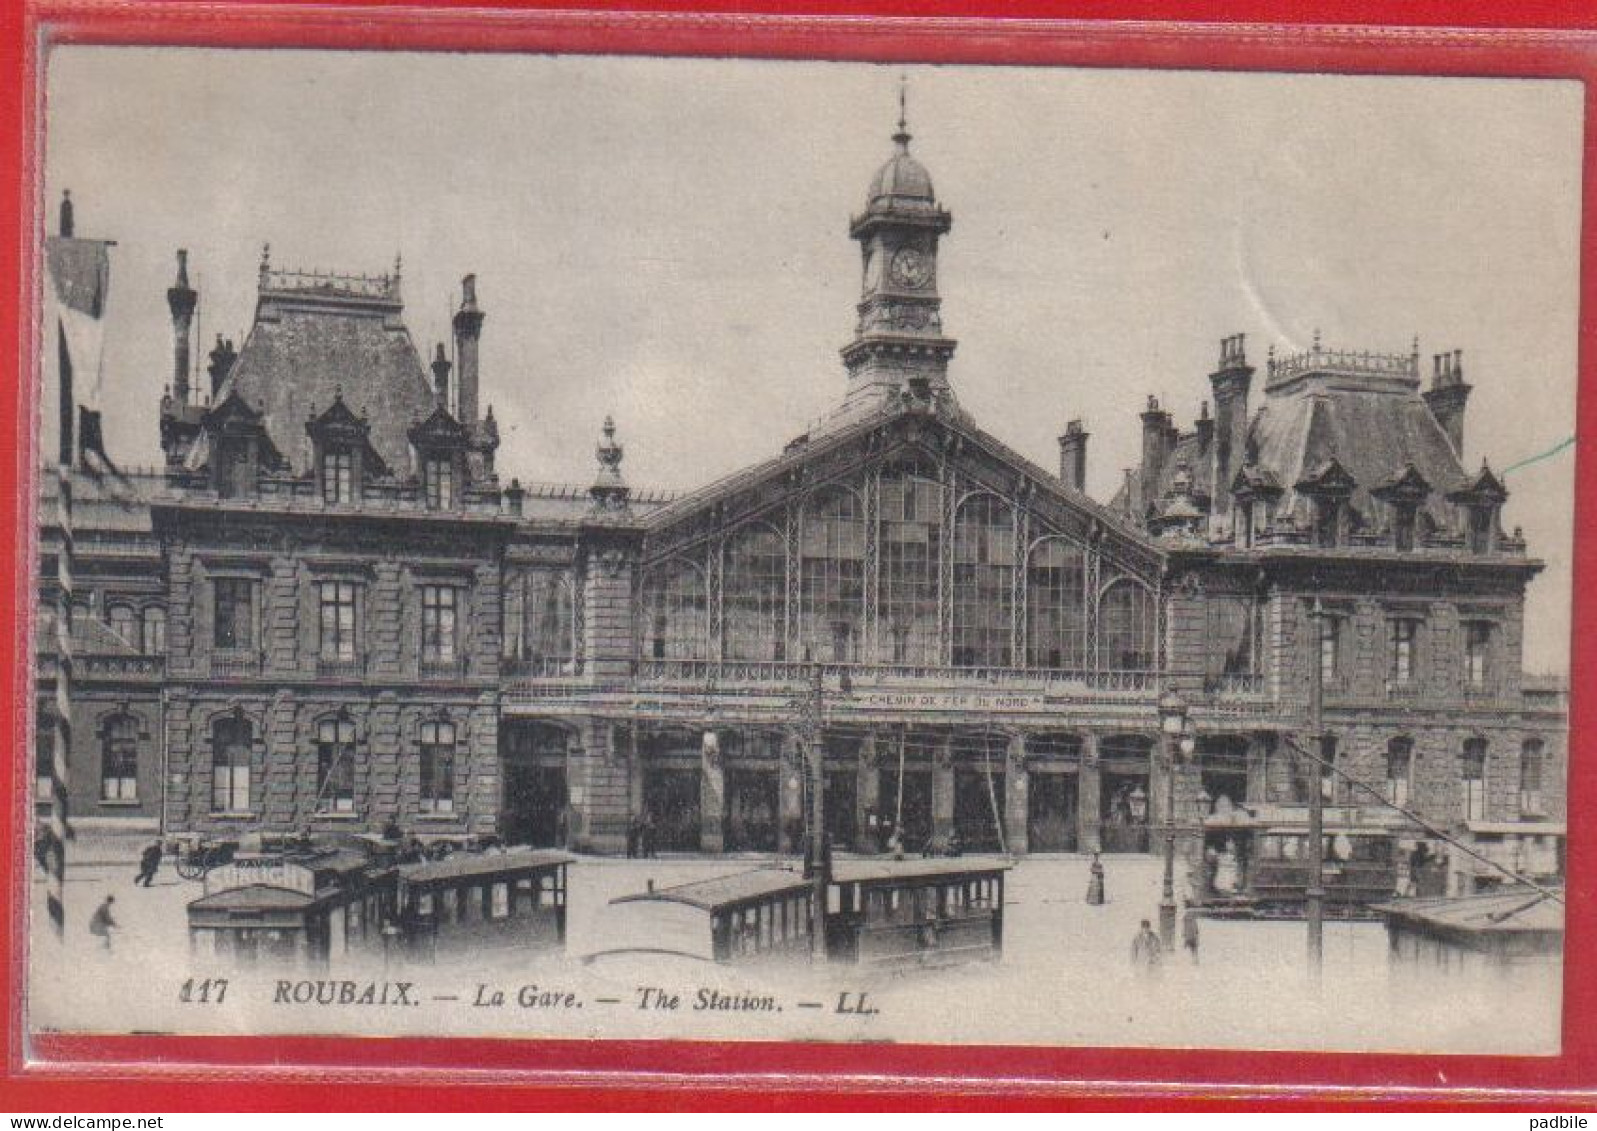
(1258, 772)
(790, 773)
(867, 792)
(712, 793)
(1017, 799)
(943, 789)
(1088, 799)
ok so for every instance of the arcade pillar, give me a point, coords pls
(1089, 800)
(943, 790)
(1017, 800)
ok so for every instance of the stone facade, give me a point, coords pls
(365, 627)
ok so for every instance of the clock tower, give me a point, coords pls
(898, 344)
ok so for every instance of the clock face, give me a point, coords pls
(911, 267)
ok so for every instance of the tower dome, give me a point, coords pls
(903, 182)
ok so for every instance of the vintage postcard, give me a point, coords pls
(547, 546)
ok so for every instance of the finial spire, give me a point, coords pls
(901, 138)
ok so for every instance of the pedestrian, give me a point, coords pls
(1146, 950)
(1189, 933)
(646, 836)
(102, 923)
(149, 864)
(1095, 892)
(632, 837)
(873, 829)
(391, 830)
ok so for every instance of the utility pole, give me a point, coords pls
(1315, 895)
(812, 749)
(1173, 722)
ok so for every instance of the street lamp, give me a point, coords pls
(1178, 743)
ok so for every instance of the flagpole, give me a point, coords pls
(61, 750)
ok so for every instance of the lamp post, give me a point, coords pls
(1314, 896)
(1177, 742)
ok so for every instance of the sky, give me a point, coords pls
(666, 239)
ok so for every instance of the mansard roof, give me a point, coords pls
(1376, 434)
(315, 336)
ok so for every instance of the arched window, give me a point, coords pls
(911, 541)
(1472, 772)
(1056, 608)
(539, 626)
(1231, 639)
(119, 759)
(984, 571)
(1399, 769)
(231, 740)
(124, 622)
(755, 588)
(832, 577)
(1531, 755)
(335, 765)
(437, 766)
(675, 613)
(1125, 627)
(154, 637)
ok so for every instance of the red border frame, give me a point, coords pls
(119, 1073)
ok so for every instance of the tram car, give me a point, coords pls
(902, 914)
(1256, 864)
(474, 902)
(884, 914)
(759, 916)
(299, 907)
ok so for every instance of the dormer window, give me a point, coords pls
(338, 476)
(1404, 516)
(439, 475)
(1327, 522)
(235, 470)
(1480, 530)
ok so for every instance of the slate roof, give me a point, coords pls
(308, 345)
(1376, 426)
(1372, 434)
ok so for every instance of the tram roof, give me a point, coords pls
(1517, 909)
(724, 891)
(468, 865)
(255, 897)
(892, 871)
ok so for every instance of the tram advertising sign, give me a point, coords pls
(272, 873)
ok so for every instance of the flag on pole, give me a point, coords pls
(77, 285)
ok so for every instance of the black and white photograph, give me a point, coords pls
(597, 547)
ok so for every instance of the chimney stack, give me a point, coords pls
(1205, 428)
(1073, 457)
(1448, 396)
(1156, 428)
(1230, 382)
(468, 331)
(66, 213)
(441, 369)
(223, 355)
(181, 299)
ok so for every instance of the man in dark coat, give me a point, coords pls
(149, 864)
(102, 923)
